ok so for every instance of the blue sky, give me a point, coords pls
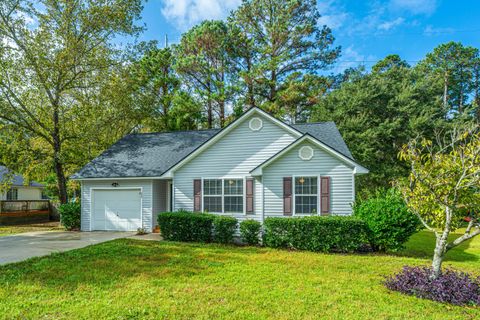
(366, 30)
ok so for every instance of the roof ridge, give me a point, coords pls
(318, 122)
(178, 131)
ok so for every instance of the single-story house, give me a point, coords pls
(256, 167)
(18, 189)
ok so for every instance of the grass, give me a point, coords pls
(47, 226)
(133, 279)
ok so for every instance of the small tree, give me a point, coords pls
(443, 188)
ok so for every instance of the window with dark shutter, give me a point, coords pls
(287, 196)
(197, 195)
(249, 199)
(325, 195)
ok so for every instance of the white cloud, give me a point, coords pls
(431, 31)
(186, 13)
(415, 6)
(388, 25)
(332, 14)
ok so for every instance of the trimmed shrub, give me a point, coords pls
(453, 287)
(70, 214)
(320, 234)
(186, 226)
(250, 232)
(224, 229)
(390, 222)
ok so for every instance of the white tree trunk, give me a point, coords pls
(439, 253)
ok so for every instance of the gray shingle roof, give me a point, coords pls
(152, 154)
(17, 180)
(327, 133)
(144, 154)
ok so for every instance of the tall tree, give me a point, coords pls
(380, 111)
(454, 65)
(155, 85)
(285, 38)
(203, 61)
(55, 63)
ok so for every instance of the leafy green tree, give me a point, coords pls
(55, 64)
(203, 62)
(442, 188)
(284, 38)
(155, 85)
(455, 66)
(380, 111)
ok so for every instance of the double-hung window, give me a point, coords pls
(212, 195)
(306, 195)
(223, 195)
(233, 195)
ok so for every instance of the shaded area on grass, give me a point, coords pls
(46, 226)
(422, 244)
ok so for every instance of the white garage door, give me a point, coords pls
(118, 209)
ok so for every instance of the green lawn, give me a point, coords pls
(47, 226)
(133, 279)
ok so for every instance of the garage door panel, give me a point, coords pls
(117, 209)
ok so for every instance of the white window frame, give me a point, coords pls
(223, 193)
(294, 194)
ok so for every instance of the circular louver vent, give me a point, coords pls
(255, 124)
(305, 153)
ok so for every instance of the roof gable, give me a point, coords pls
(307, 137)
(225, 131)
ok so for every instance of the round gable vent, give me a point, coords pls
(305, 153)
(255, 124)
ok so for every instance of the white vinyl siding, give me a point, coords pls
(25, 193)
(89, 186)
(322, 164)
(233, 156)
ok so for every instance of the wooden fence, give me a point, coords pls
(24, 211)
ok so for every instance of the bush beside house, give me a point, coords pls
(70, 215)
(224, 229)
(389, 221)
(250, 232)
(320, 234)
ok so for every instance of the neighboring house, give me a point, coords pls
(254, 168)
(18, 189)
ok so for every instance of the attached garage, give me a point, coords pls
(116, 209)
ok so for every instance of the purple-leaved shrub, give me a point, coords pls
(453, 287)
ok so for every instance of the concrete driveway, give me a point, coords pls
(35, 244)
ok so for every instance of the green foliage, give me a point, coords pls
(250, 232)
(203, 60)
(56, 105)
(70, 215)
(389, 221)
(224, 229)
(186, 226)
(442, 187)
(322, 234)
(380, 111)
(278, 39)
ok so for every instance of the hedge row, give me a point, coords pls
(324, 234)
(320, 234)
(204, 227)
